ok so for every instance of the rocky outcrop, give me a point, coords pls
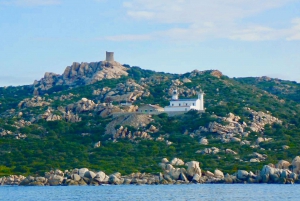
(22, 123)
(212, 150)
(71, 117)
(123, 132)
(260, 119)
(103, 109)
(36, 101)
(257, 157)
(231, 129)
(214, 73)
(81, 74)
(17, 135)
(84, 105)
(49, 116)
(5, 132)
(261, 139)
(186, 80)
(11, 180)
(129, 91)
(65, 97)
(203, 141)
(135, 120)
(229, 151)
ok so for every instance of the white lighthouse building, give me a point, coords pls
(183, 105)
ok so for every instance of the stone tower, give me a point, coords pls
(109, 56)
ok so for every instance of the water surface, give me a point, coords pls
(216, 192)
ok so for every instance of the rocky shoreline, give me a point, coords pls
(173, 172)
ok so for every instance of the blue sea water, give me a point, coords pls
(218, 192)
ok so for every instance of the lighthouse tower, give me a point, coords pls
(175, 95)
(201, 98)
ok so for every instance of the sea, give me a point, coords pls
(216, 192)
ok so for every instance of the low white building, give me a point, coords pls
(183, 105)
(150, 109)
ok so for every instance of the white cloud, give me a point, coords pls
(295, 31)
(193, 11)
(31, 2)
(208, 19)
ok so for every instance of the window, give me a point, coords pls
(193, 104)
(172, 104)
(186, 104)
(150, 110)
(179, 104)
(146, 110)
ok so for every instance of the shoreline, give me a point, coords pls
(283, 173)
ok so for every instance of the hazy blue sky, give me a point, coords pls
(238, 37)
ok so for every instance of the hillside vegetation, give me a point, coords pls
(246, 119)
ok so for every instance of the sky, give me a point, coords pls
(241, 38)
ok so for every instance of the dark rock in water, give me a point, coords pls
(89, 174)
(238, 181)
(265, 178)
(274, 178)
(282, 180)
(242, 174)
(127, 181)
(36, 183)
(136, 181)
(196, 178)
(284, 174)
(251, 180)
(258, 179)
(113, 179)
(27, 181)
(55, 180)
(182, 177)
(293, 176)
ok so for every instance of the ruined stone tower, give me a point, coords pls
(109, 56)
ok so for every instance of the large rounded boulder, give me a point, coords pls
(193, 168)
(296, 165)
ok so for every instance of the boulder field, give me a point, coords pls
(175, 171)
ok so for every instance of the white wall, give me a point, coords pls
(182, 103)
(176, 109)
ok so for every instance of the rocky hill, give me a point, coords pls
(87, 117)
(81, 74)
